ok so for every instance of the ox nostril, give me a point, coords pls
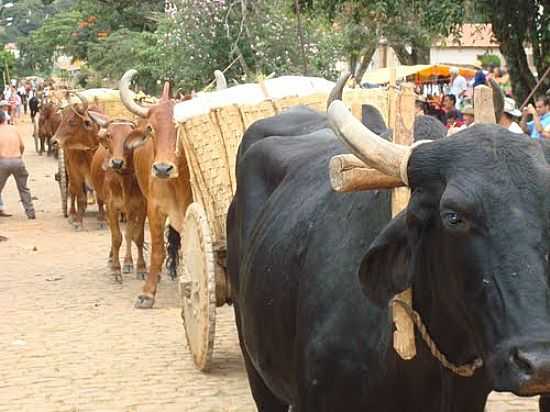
(162, 169)
(521, 361)
(117, 163)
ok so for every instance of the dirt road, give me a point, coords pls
(71, 339)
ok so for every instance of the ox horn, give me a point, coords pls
(386, 157)
(221, 83)
(338, 90)
(124, 87)
(83, 100)
(100, 120)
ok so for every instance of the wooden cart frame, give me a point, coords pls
(210, 142)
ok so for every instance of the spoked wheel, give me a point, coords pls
(35, 135)
(197, 285)
(62, 180)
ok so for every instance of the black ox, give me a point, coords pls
(313, 271)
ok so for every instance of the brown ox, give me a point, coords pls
(78, 136)
(163, 178)
(114, 180)
(48, 122)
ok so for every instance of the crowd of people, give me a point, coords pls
(15, 98)
(455, 108)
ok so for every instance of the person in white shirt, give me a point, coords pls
(511, 113)
(458, 86)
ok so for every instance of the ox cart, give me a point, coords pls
(108, 102)
(210, 139)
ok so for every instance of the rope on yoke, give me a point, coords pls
(466, 370)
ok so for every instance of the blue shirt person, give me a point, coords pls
(540, 125)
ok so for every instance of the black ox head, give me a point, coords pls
(473, 243)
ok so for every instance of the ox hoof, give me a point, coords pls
(145, 302)
(128, 268)
(102, 226)
(77, 227)
(141, 274)
(118, 277)
(173, 274)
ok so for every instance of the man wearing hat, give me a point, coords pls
(4, 107)
(511, 113)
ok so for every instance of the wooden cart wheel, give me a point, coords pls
(35, 136)
(197, 285)
(62, 179)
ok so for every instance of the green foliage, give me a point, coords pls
(38, 50)
(262, 36)
(7, 63)
(414, 24)
(516, 23)
(27, 16)
(487, 60)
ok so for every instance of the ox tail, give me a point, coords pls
(173, 243)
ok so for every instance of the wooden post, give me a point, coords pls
(484, 109)
(402, 115)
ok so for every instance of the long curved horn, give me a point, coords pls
(389, 158)
(100, 120)
(129, 103)
(221, 83)
(83, 100)
(336, 92)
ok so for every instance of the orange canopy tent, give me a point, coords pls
(422, 73)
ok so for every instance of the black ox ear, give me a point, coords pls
(384, 271)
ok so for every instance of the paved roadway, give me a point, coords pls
(71, 339)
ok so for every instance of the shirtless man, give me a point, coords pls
(11, 163)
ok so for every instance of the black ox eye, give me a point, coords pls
(453, 218)
(455, 221)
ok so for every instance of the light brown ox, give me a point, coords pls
(163, 178)
(114, 180)
(78, 136)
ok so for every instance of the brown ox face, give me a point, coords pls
(77, 130)
(164, 135)
(120, 137)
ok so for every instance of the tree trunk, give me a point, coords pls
(511, 47)
(361, 68)
(418, 55)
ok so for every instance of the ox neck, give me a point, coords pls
(446, 323)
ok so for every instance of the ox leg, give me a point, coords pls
(138, 237)
(101, 213)
(128, 236)
(41, 146)
(156, 227)
(72, 207)
(76, 189)
(116, 241)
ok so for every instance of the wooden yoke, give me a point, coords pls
(484, 109)
(402, 115)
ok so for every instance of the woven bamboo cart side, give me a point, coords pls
(115, 109)
(211, 180)
(355, 98)
(251, 113)
(315, 101)
(230, 123)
